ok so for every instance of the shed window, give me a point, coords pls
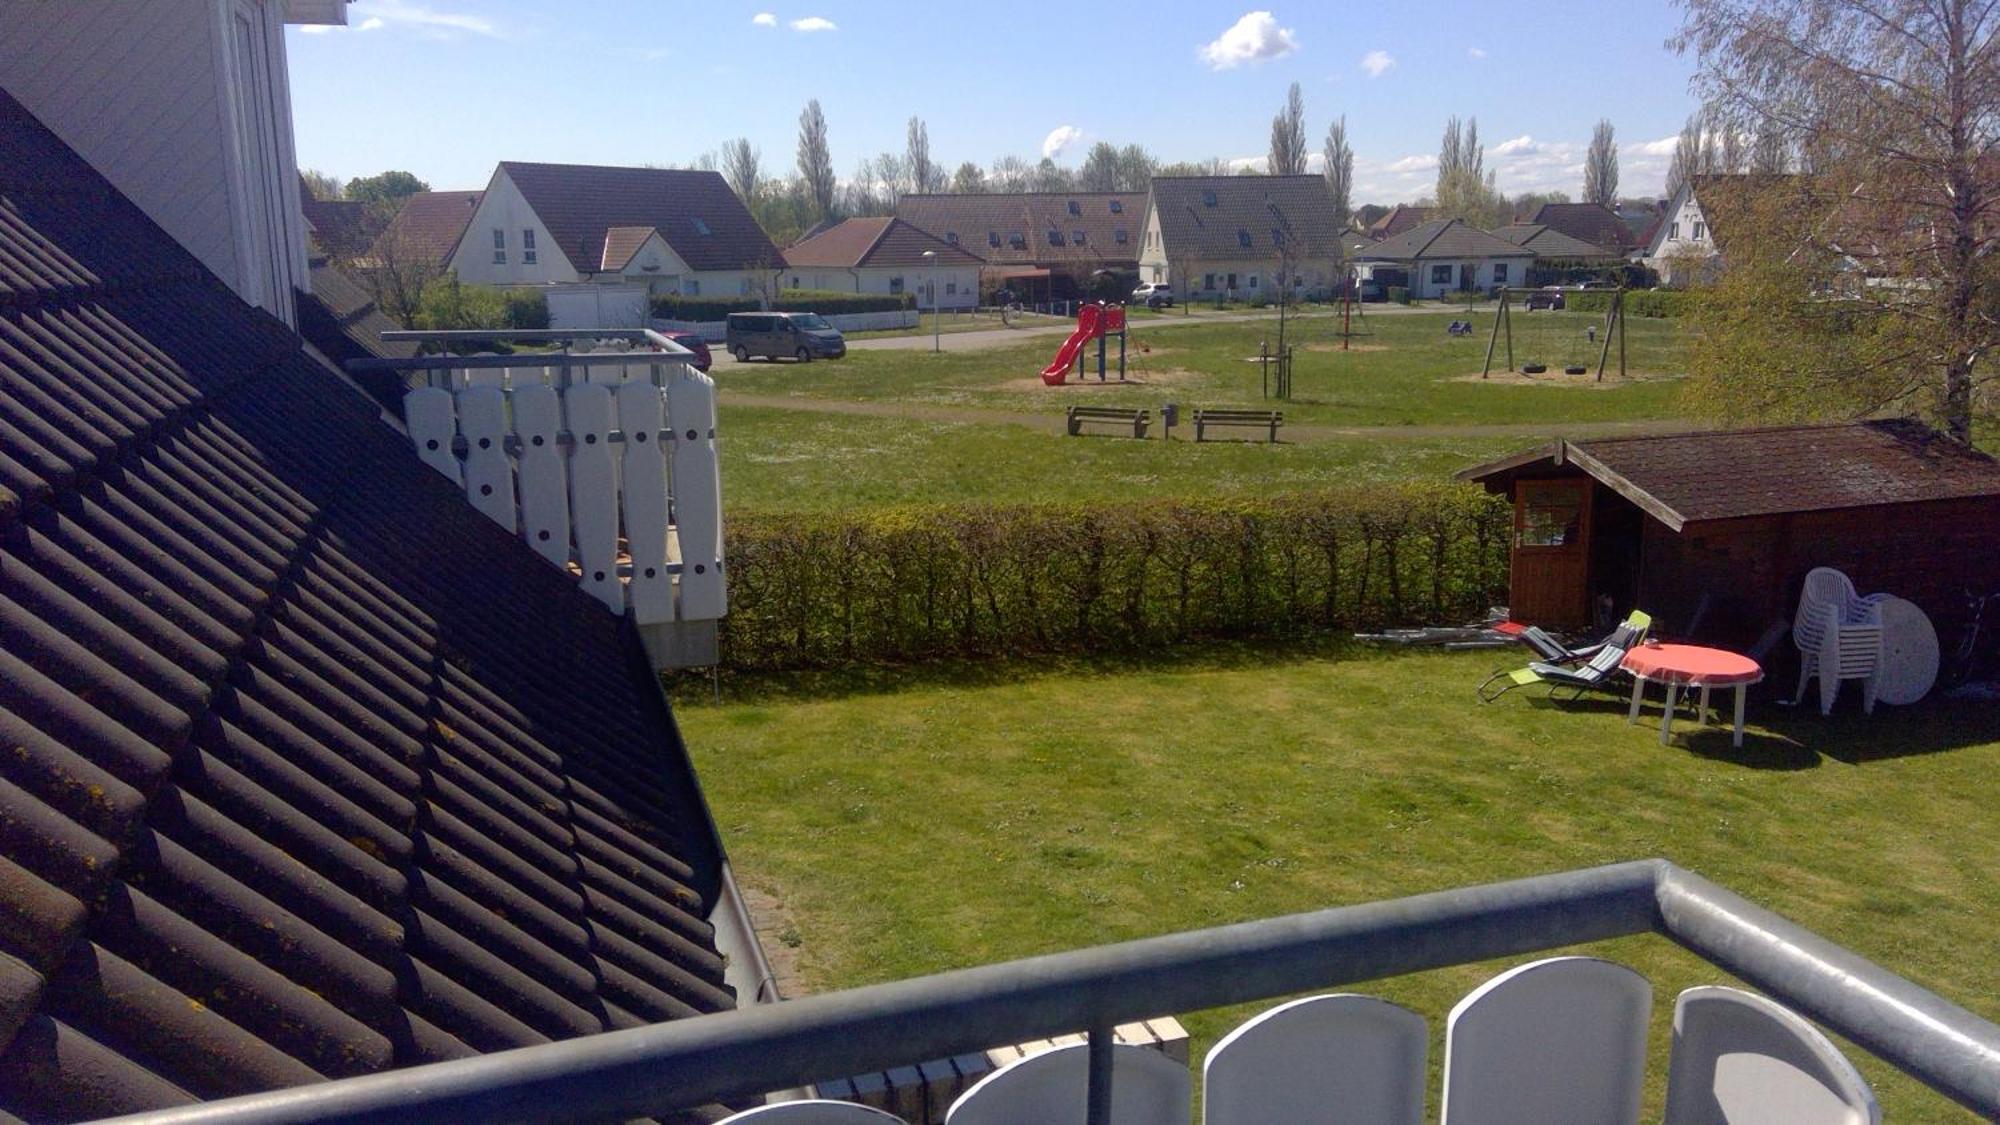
(1441, 275)
(1242, 237)
(1551, 514)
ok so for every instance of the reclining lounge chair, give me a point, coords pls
(1599, 663)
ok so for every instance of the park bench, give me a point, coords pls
(1261, 419)
(1110, 415)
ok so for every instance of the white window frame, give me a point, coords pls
(499, 246)
(527, 246)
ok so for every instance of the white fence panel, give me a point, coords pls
(489, 475)
(697, 494)
(544, 484)
(431, 415)
(642, 415)
(593, 492)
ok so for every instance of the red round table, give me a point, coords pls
(1692, 666)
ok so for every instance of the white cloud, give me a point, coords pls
(1060, 138)
(814, 23)
(1523, 144)
(1378, 63)
(765, 19)
(1662, 147)
(1411, 164)
(1255, 38)
(372, 23)
(1475, 52)
(428, 22)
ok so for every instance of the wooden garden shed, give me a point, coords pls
(1713, 533)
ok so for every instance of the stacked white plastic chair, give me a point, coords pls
(1839, 637)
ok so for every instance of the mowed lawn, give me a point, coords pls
(1405, 372)
(916, 820)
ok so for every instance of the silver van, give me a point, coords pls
(802, 336)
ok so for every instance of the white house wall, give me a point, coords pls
(1683, 236)
(151, 94)
(503, 208)
(1210, 277)
(1153, 264)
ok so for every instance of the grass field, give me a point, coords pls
(1406, 372)
(914, 820)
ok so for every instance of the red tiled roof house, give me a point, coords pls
(885, 255)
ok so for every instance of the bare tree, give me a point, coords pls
(1898, 101)
(1135, 168)
(1288, 136)
(1600, 166)
(742, 167)
(1010, 175)
(1340, 169)
(395, 271)
(924, 176)
(1048, 176)
(1701, 150)
(1100, 168)
(1465, 190)
(816, 162)
(970, 179)
(321, 184)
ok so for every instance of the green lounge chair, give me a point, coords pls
(1593, 674)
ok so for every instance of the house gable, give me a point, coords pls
(484, 257)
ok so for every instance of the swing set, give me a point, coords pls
(1550, 342)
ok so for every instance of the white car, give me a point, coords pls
(1154, 295)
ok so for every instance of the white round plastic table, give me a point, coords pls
(1692, 666)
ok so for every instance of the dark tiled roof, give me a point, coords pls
(695, 211)
(857, 243)
(1548, 242)
(310, 769)
(339, 318)
(1443, 238)
(428, 226)
(1401, 217)
(341, 227)
(1685, 478)
(1587, 222)
(1046, 221)
(1208, 216)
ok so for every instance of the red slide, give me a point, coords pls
(1087, 329)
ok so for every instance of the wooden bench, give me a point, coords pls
(1261, 419)
(1110, 415)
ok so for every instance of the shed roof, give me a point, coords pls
(311, 769)
(1036, 216)
(695, 211)
(885, 241)
(1443, 238)
(1730, 474)
(1210, 216)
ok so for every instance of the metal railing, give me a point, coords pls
(692, 1062)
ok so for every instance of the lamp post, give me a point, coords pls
(931, 261)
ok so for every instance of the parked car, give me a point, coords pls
(1547, 297)
(1154, 295)
(693, 342)
(802, 336)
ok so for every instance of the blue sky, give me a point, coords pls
(446, 88)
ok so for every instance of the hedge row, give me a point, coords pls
(824, 301)
(971, 580)
(1638, 302)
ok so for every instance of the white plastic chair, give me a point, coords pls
(812, 1111)
(1556, 1040)
(1839, 637)
(1326, 1059)
(1052, 1088)
(1740, 1059)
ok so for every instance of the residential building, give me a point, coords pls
(426, 229)
(1682, 245)
(1550, 244)
(675, 231)
(1242, 236)
(343, 228)
(1587, 222)
(210, 159)
(1402, 217)
(1038, 244)
(885, 255)
(1445, 256)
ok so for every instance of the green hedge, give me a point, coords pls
(972, 580)
(1398, 294)
(825, 301)
(1638, 302)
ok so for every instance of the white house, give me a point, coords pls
(1215, 236)
(885, 255)
(201, 138)
(674, 231)
(1445, 256)
(1683, 244)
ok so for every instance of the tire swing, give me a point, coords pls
(1536, 366)
(1573, 364)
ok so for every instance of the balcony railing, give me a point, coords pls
(604, 462)
(732, 1055)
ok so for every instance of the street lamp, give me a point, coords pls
(935, 319)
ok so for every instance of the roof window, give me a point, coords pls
(1075, 208)
(951, 236)
(1242, 237)
(1055, 238)
(1017, 240)
(1119, 236)
(993, 238)
(701, 227)
(1208, 199)
(1118, 207)
(1077, 237)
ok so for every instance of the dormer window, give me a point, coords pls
(701, 227)
(1077, 237)
(1118, 207)
(1075, 208)
(1242, 237)
(1119, 236)
(993, 239)
(1208, 199)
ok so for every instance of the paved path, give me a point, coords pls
(1053, 422)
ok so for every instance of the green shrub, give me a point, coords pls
(526, 308)
(1398, 294)
(1638, 302)
(828, 302)
(918, 583)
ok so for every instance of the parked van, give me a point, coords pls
(802, 336)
